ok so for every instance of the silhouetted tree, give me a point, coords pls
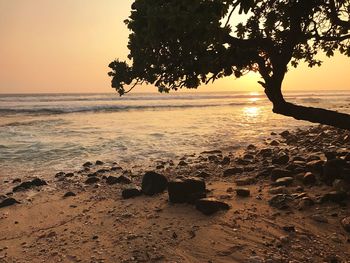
(183, 43)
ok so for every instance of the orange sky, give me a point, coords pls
(66, 45)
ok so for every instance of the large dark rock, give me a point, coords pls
(153, 183)
(210, 206)
(8, 202)
(186, 190)
(131, 192)
(29, 184)
(332, 170)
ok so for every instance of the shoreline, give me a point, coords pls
(294, 211)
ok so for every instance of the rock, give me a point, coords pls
(283, 159)
(87, 164)
(289, 228)
(334, 196)
(8, 202)
(116, 168)
(305, 202)
(131, 192)
(98, 162)
(332, 170)
(346, 223)
(267, 152)
(17, 180)
(92, 180)
(274, 143)
(248, 157)
(69, 175)
(210, 206)
(153, 183)
(122, 179)
(309, 178)
(251, 147)
(280, 201)
(212, 152)
(243, 192)
(203, 174)
(226, 160)
(285, 134)
(233, 171)
(284, 181)
(60, 174)
(315, 166)
(182, 163)
(187, 190)
(278, 190)
(29, 184)
(341, 185)
(69, 194)
(279, 173)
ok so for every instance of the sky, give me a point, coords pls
(62, 46)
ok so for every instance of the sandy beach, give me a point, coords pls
(287, 197)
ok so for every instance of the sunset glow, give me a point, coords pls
(65, 46)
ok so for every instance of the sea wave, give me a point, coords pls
(110, 108)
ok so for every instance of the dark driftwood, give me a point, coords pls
(316, 115)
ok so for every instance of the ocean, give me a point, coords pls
(41, 134)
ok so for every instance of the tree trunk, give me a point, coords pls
(316, 115)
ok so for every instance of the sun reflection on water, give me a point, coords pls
(252, 112)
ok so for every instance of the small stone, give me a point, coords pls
(289, 228)
(284, 181)
(274, 143)
(122, 179)
(309, 178)
(92, 180)
(210, 206)
(233, 171)
(283, 159)
(98, 162)
(280, 201)
(69, 194)
(346, 223)
(131, 192)
(226, 160)
(278, 190)
(243, 192)
(279, 173)
(182, 163)
(87, 164)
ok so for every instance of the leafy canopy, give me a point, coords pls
(184, 43)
